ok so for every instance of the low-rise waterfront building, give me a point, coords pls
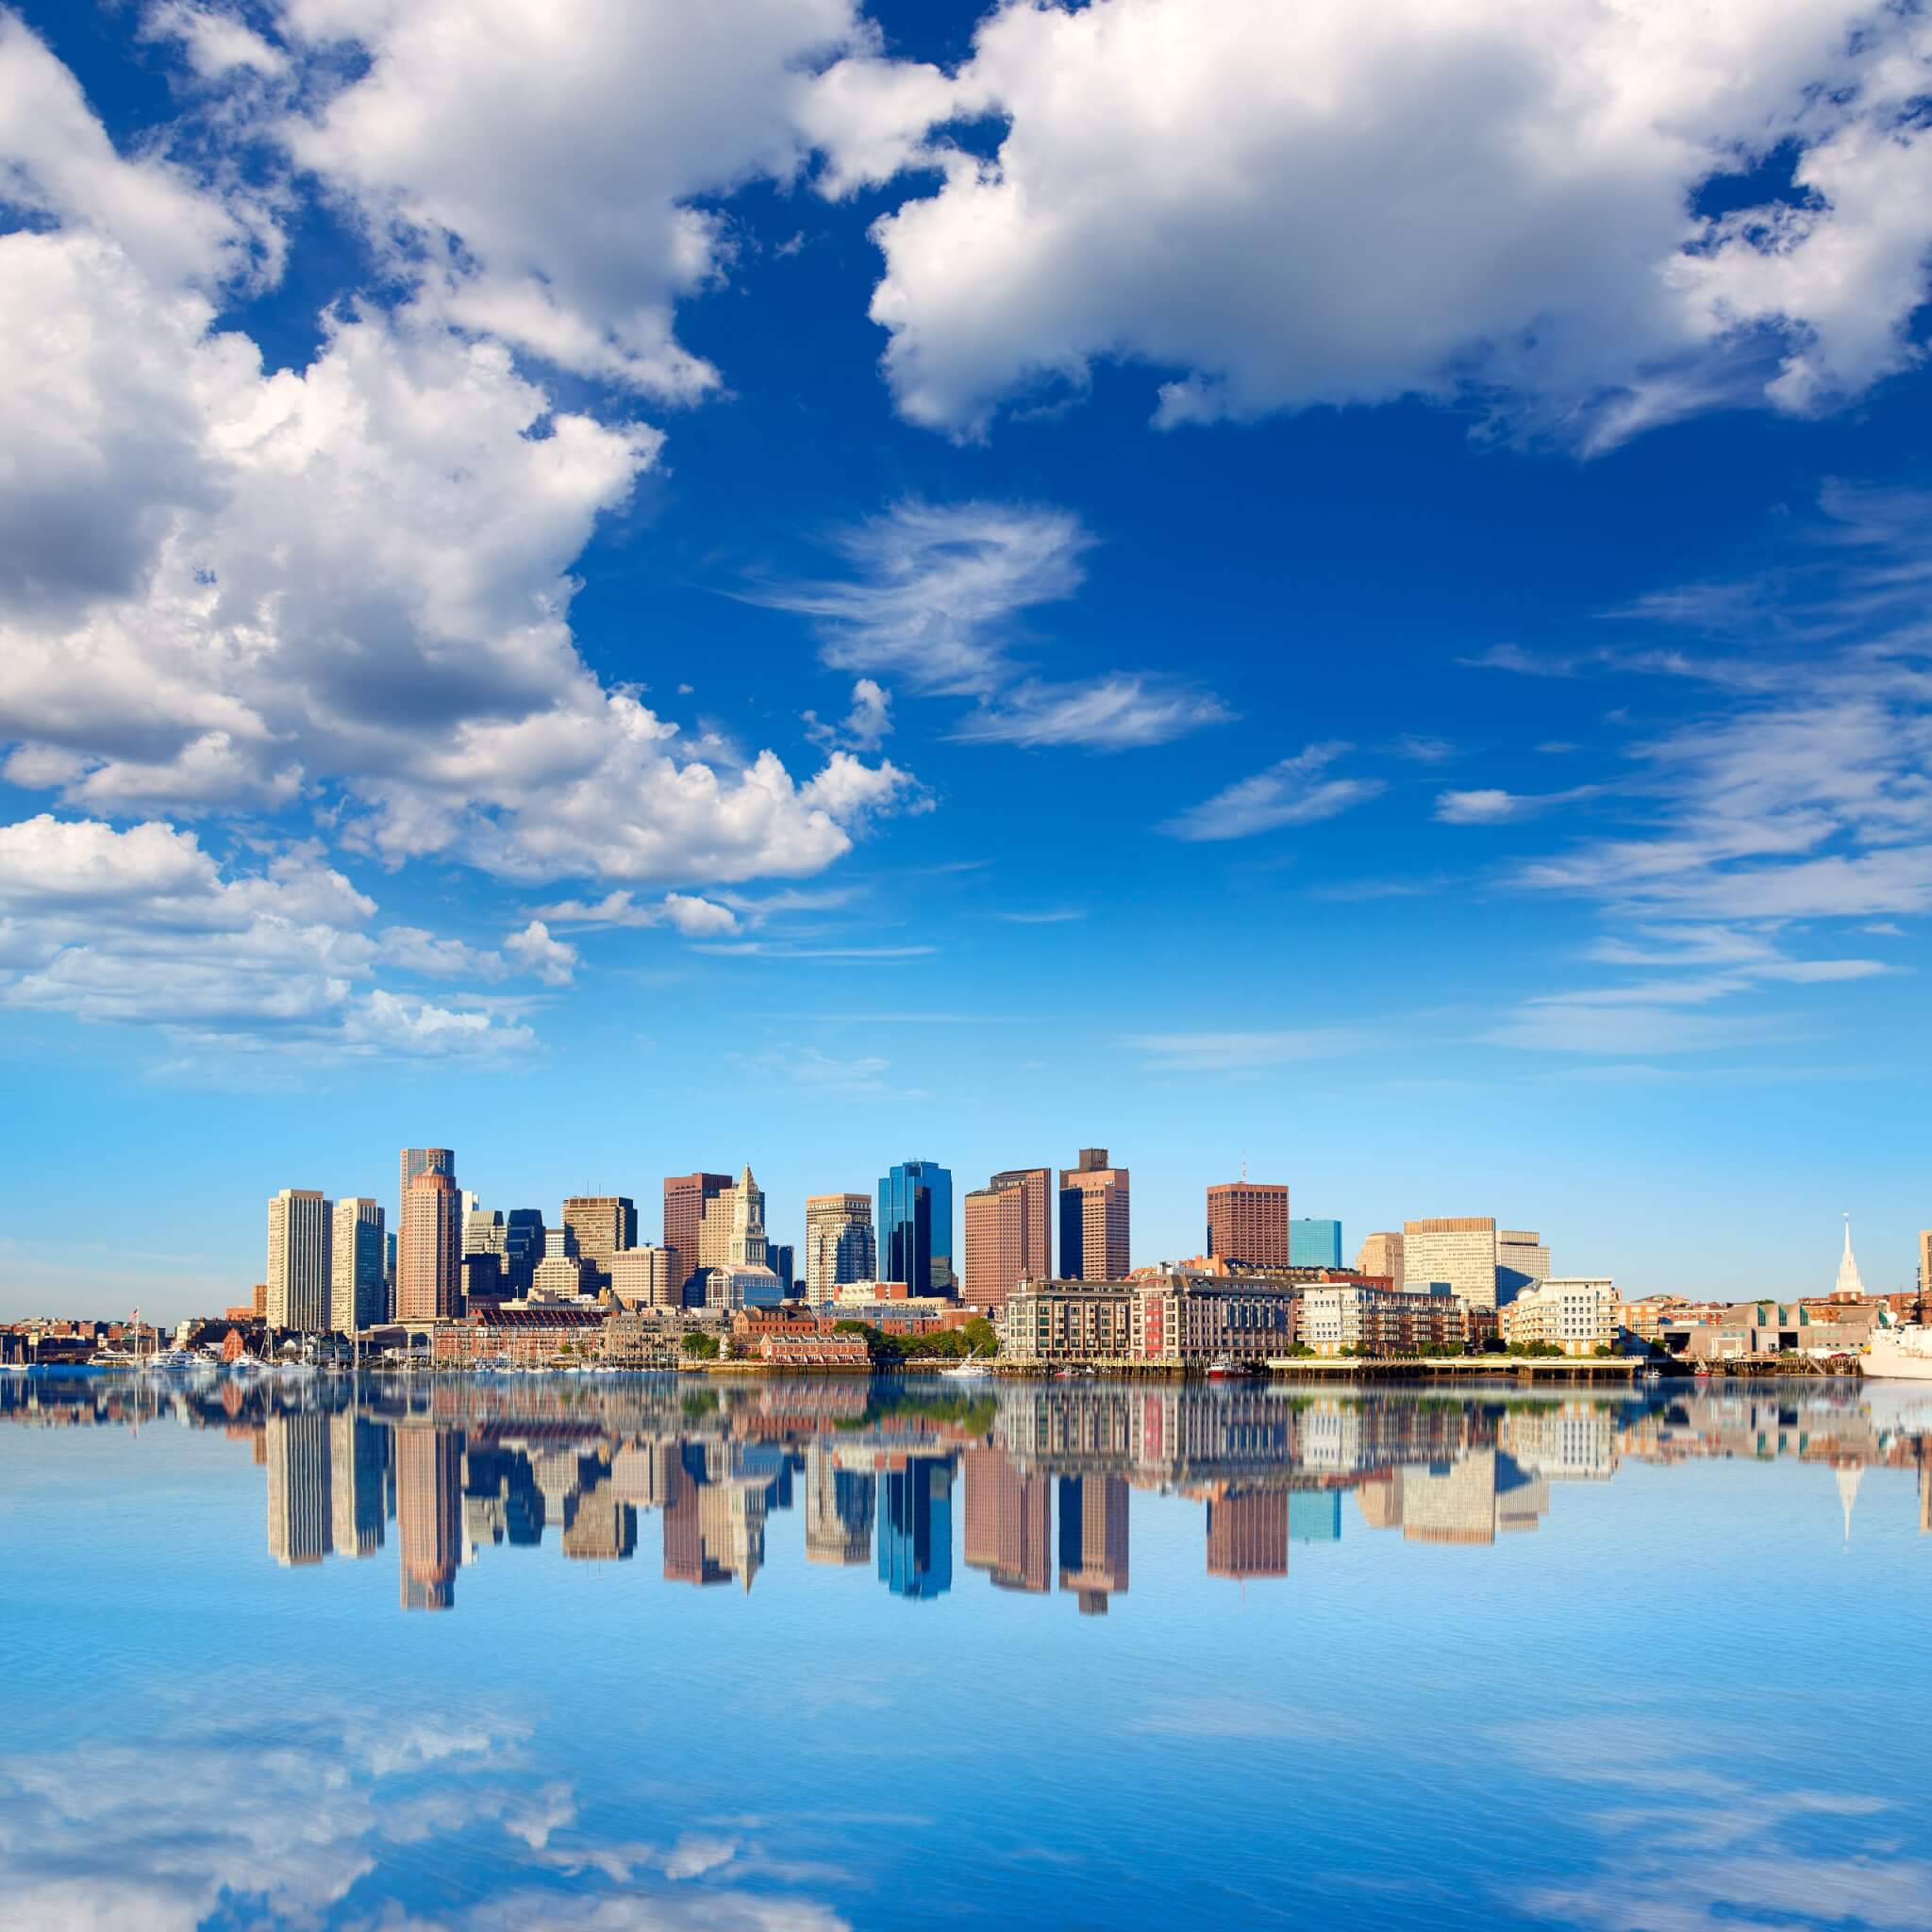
(530, 1337)
(1375, 1317)
(1577, 1314)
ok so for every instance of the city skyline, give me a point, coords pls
(1451, 747)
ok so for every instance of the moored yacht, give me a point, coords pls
(1900, 1355)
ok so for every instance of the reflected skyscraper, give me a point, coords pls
(598, 1524)
(429, 1514)
(916, 1527)
(297, 1452)
(1247, 1533)
(1094, 1539)
(1008, 1521)
(838, 1508)
(358, 1455)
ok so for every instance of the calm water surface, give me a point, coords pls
(791, 1656)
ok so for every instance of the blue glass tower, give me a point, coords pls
(1314, 1243)
(916, 1528)
(915, 1228)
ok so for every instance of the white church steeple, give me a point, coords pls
(1848, 1277)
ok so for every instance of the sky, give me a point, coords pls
(625, 588)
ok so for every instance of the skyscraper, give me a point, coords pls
(1314, 1243)
(1522, 1262)
(685, 1196)
(839, 1504)
(1247, 1221)
(522, 1247)
(915, 1226)
(840, 1245)
(1452, 1254)
(1009, 1234)
(1093, 1220)
(782, 1259)
(358, 1293)
(358, 1461)
(486, 1254)
(1925, 1265)
(1381, 1253)
(300, 1225)
(417, 1160)
(743, 1280)
(1247, 1533)
(430, 1253)
(605, 1224)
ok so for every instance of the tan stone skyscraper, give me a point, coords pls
(1009, 1234)
(1093, 1220)
(429, 1473)
(605, 1225)
(300, 1225)
(1452, 1254)
(1247, 1221)
(1924, 1270)
(840, 1242)
(358, 1293)
(1381, 1253)
(429, 1249)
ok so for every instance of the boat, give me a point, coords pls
(1900, 1355)
(969, 1369)
(1221, 1368)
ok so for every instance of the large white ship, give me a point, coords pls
(1900, 1355)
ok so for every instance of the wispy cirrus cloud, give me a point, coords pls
(1295, 791)
(1242, 1051)
(936, 596)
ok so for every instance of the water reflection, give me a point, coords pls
(462, 1469)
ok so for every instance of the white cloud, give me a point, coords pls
(142, 927)
(1238, 1052)
(553, 961)
(1115, 711)
(935, 596)
(691, 915)
(1291, 793)
(867, 725)
(1493, 807)
(345, 584)
(1326, 205)
(535, 169)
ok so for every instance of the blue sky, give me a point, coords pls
(627, 593)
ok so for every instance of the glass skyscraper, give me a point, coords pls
(1314, 1243)
(916, 1528)
(915, 1228)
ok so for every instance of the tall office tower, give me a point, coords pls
(1381, 1253)
(1522, 1262)
(685, 1196)
(1247, 1221)
(485, 1231)
(1008, 1520)
(359, 1468)
(747, 1248)
(300, 1223)
(359, 1294)
(1924, 1268)
(1313, 1243)
(916, 1528)
(781, 1258)
(296, 1445)
(429, 1514)
(915, 1226)
(838, 1242)
(1009, 1234)
(1094, 1539)
(430, 1257)
(522, 1247)
(605, 1224)
(1093, 1220)
(1455, 1254)
(417, 1160)
(838, 1508)
(1247, 1533)
(645, 1277)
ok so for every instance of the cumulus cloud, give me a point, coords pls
(1293, 792)
(534, 172)
(691, 914)
(142, 927)
(553, 961)
(345, 584)
(1326, 205)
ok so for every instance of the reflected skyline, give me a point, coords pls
(1043, 1477)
